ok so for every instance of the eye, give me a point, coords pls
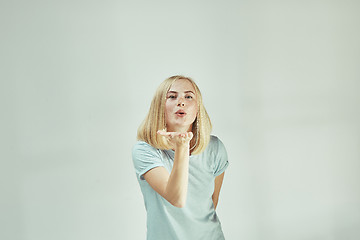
(172, 96)
(189, 97)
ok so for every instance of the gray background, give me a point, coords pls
(280, 81)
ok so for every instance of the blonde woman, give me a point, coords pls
(179, 165)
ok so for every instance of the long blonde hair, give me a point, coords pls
(155, 120)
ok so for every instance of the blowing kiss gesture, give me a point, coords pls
(177, 139)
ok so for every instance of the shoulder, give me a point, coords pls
(145, 157)
(141, 147)
(215, 142)
(215, 145)
(218, 151)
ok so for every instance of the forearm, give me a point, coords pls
(218, 183)
(215, 201)
(176, 189)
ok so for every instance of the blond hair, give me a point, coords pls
(155, 120)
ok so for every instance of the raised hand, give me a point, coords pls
(177, 139)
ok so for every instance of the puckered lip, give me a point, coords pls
(180, 112)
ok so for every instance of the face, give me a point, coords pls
(180, 106)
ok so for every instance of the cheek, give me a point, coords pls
(194, 109)
(168, 109)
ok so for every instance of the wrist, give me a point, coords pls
(182, 147)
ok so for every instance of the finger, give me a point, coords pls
(161, 132)
(168, 134)
(164, 133)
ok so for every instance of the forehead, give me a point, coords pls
(182, 85)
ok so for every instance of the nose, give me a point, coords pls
(181, 102)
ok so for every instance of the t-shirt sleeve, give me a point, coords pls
(221, 159)
(145, 157)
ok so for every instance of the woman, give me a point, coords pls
(179, 165)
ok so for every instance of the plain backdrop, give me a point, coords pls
(280, 81)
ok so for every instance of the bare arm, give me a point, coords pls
(218, 183)
(173, 186)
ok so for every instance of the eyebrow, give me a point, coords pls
(184, 92)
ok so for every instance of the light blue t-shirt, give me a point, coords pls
(197, 219)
